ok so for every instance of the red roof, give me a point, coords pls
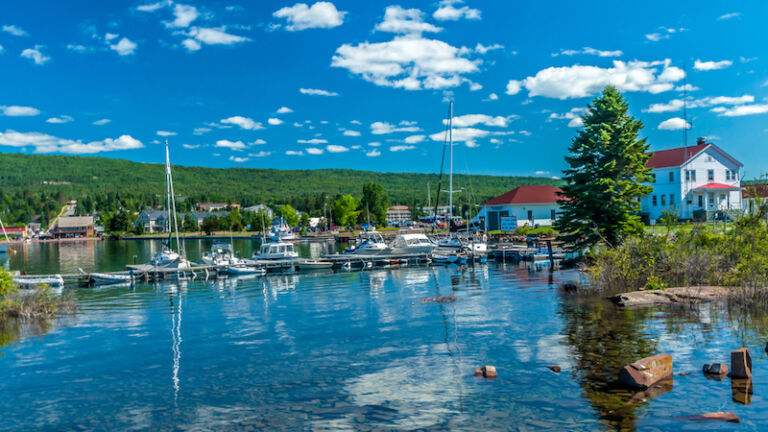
(717, 186)
(540, 194)
(674, 157)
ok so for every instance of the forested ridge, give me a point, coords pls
(112, 183)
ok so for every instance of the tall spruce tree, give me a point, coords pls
(604, 181)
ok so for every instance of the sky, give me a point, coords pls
(366, 85)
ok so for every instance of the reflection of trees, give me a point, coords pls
(603, 339)
(12, 329)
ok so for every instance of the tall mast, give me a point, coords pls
(168, 194)
(172, 199)
(450, 170)
(429, 197)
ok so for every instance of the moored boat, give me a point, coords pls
(53, 281)
(314, 265)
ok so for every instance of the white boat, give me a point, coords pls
(467, 244)
(369, 243)
(168, 258)
(221, 254)
(280, 231)
(109, 279)
(54, 281)
(315, 265)
(406, 244)
(238, 270)
(275, 251)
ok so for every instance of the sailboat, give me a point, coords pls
(4, 248)
(169, 258)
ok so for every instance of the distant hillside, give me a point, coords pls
(76, 176)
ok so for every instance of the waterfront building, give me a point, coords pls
(209, 207)
(16, 232)
(74, 226)
(398, 214)
(525, 205)
(156, 221)
(260, 208)
(694, 182)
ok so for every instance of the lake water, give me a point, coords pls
(360, 351)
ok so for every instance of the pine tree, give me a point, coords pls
(604, 181)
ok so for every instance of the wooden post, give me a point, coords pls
(551, 256)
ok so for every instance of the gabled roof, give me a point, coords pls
(75, 221)
(717, 186)
(679, 156)
(539, 194)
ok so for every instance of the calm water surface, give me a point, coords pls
(360, 351)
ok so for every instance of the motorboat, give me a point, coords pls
(461, 243)
(167, 258)
(315, 265)
(221, 254)
(369, 243)
(280, 231)
(53, 281)
(447, 258)
(107, 278)
(406, 244)
(275, 251)
(239, 270)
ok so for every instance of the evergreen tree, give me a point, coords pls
(605, 175)
(344, 210)
(376, 201)
(189, 224)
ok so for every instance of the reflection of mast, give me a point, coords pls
(176, 347)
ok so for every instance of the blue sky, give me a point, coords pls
(364, 85)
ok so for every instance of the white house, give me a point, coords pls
(530, 205)
(687, 179)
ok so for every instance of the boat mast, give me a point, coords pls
(168, 195)
(450, 169)
(172, 198)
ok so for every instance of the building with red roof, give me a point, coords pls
(535, 205)
(696, 179)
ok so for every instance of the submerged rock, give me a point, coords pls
(440, 299)
(672, 296)
(487, 372)
(716, 416)
(555, 368)
(718, 369)
(646, 371)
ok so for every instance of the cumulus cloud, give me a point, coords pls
(312, 141)
(482, 49)
(686, 87)
(662, 33)
(300, 16)
(294, 153)
(332, 148)
(18, 111)
(399, 148)
(492, 97)
(373, 153)
(475, 119)
(102, 122)
(405, 21)
(314, 151)
(284, 110)
(210, 36)
(583, 81)
(238, 159)
(259, 141)
(674, 123)
(60, 119)
(317, 92)
(14, 30)
(260, 154)
(124, 47)
(589, 51)
(677, 104)
(200, 130)
(448, 12)
(44, 143)
(351, 133)
(36, 55)
(374, 144)
(414, 139)
(183, 16)
(191, 146)
(163, 133)
(274, 121)
(742, 110)
(243, 122)
(466, 135)
(233, 145)
(574, 115)
(729, 16)
(711, 65)
(382, 128)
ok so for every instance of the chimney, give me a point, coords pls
(701, 140)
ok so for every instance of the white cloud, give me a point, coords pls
(238, 159)
(674, 123)
(274, 121)
(294, 153)
(525, 132)
(322, 14)
(14, 30)
(729, 16)
(191, 45)
(687, 87)
(374, 144)
(284, 110)
(356, 147)
(1, 49)
(468, 120)
(677, 104)
(260, 154)
(493, 97)
(467, 135)
(212, 36)
(19, 111)
(673, 105)
(513, 87)
(574, 115)
(258, 141)
(124, 47)
(542, 172)
(79, 48)
(152, 7)
(405, 21)
(184, 15)
(748, 59)
(583, 81)
(356, 122)
(297, 124)
(109, 36)
(381, 128)
(482, 49)
(743, 110)
(233, 145)
(332, 148)
(589, 51)
(163, 133)
(243, 122)
(711, 65)
(312, 141)
(448, 12)
(102, 122)
(44, 143)
(409, 62)
(200, 130)
(351, 133)
(399, 148)
(314, 151)
(191, 146)
(414, 139)
(36, 55)
(663, 33)
(60, 119)
(317, 92)
(373, 153)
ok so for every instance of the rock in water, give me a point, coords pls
(716, 416)
(554, 368)
(646, 372)
(741, 363)
(489, 372)
(720, 369)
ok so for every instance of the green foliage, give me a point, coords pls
(654, 283)
(232, 221)
(256, 221)
(288, 213)
(345, 210)
(189, 224)
(605, 175)
(139, 230)
(546, 230)
(669, 217)
(120, 222)
(210, 224)
(375, 201)
(6, 284)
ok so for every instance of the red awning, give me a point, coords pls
(717, 186)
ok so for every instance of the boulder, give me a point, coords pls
(555, 368)
(679, 295)
(741, 363)
(720, 369)
(489, 372)
(646, 372)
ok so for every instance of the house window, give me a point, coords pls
(701, 201)
(689, 200)
(710, 175)
(663, 200)
(654, 201)
(727, 174)
(552, 214)
(530, 215)
(690, 175)
(671, 176)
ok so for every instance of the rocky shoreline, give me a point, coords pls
(678, 295)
